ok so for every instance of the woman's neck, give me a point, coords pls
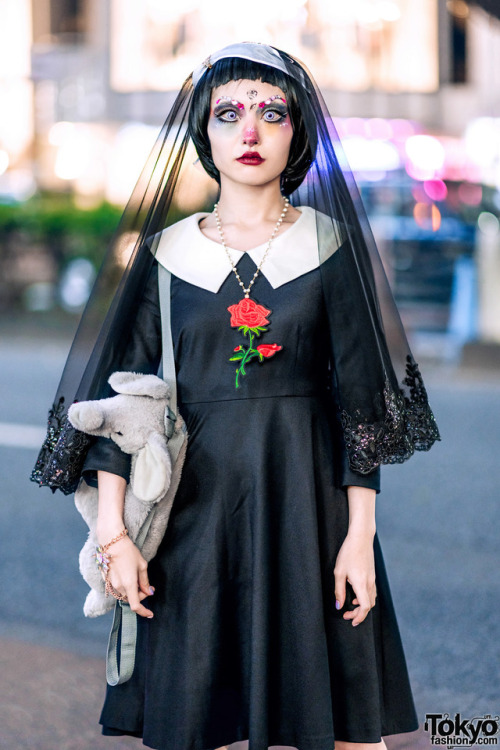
(248, 215)
(249, 204)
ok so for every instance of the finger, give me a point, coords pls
(351, 614)
(137, 607)
(356, 615)
(357, 612)
(134, 598)
(144, 584)
(340, 580)
(362, 610)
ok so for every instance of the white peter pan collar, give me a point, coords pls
(187, 253)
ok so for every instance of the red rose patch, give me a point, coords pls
(252, 320)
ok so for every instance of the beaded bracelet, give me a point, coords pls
(103, 561)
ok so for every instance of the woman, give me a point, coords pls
(270, 618)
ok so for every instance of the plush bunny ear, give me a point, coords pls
(86, 416)
(138, 384)
(151, 470)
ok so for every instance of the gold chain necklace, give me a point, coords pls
(247, 316)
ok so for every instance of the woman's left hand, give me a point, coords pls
(355, 564)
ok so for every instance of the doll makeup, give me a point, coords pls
(276, 104)
(226, 108)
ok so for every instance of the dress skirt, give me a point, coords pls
(246, 642)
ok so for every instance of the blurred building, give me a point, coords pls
(414, 86)
(16, 97)
(85, 81)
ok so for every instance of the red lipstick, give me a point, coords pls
(251, 157)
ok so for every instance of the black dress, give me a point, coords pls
(246, 642)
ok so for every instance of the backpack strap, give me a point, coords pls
(168, 361)
(123, 636)
(175, 439)
(120, 657)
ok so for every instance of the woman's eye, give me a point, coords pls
(228, 116)
(272, 115)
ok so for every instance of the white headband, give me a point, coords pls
(259, 53)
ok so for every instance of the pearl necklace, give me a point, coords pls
(246, 290)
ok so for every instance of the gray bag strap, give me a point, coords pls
(123, 636)
(167, 361)
(126, 621)
(121, 671)
(176, 439)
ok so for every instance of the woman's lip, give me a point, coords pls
(251, 157)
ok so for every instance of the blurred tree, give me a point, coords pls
(40, 237)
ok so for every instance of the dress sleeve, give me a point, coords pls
(345, 343)
(143, 355)
(348, 476)
(351, 477)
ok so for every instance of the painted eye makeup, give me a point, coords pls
(275, 111)
(223, 113)
(227, 109)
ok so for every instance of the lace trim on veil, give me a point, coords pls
(62, 454)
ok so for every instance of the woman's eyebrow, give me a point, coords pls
(226, 99)
(236, 103)
(271, 100)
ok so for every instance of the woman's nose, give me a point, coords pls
(250, 136)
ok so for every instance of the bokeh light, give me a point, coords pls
(488, 224)
(482, 140)
(436, 190)
(427, 216)
(470, 193)
(366, 155)
(426, 154)
(458, 8)
(4, 161)
(74, 154)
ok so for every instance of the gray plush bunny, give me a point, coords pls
(135, 420)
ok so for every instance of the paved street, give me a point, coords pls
(438, 521)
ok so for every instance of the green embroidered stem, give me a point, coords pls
(250, 352)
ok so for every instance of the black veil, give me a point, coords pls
(382, 400)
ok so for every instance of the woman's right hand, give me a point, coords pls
(128, 570)
(128, 573)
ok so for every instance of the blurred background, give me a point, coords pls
(413, 85)
(414, 90)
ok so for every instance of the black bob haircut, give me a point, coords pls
(303, 145)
